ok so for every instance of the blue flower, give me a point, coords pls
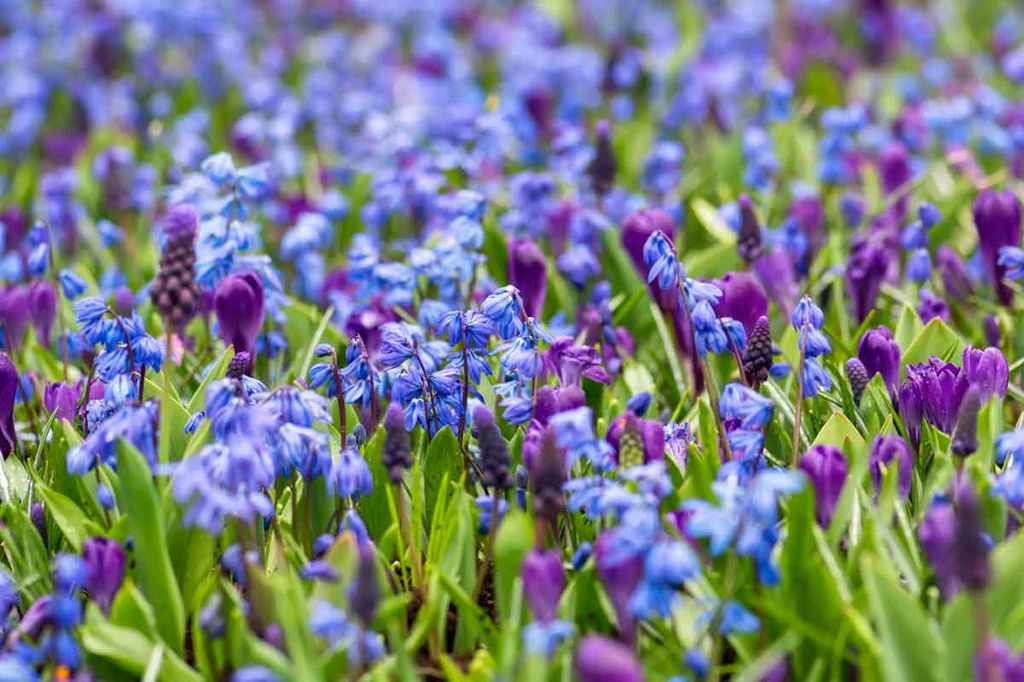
(750, 407)
(1012, 258)
(574, 431)
(485, 505)
(813, 342)
(660, 257)
(504, 308)
(806, 313)
(350, 475)
(815, 377)
(919, 266)
(72, 284)
(1010, 443)
(1009, 485)
(545, 638)
(708, 331)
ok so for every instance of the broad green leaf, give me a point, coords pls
(513, 541)
(443, 460)
(68, 516)
(374, 508)
(837, 431)
(132, 652)
(140, 503)
(935, 339)
(911, 649)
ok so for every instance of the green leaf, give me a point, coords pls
(935, 339)
(141, 505)
(216, 371)
(712, 221)
(68, 516)
(513, 541)
(707, 430)
(374, 508)
(132, 652)
(837, 431)
(443, 460)
(911, 650)
(293, 615)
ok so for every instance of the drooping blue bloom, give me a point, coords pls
(1010, 443)
(660, 257)
(574, 430)
(708, 331)
(1012, 258)
(919, 266)
(72, 284)
(816, 379)
(350, 475)
(504, 308)
(740, 402)
(544, 638)
(807, 314)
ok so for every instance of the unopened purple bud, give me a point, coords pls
(894, 168)
(181, 221)
(38, 516)
(997, 215)
(743, 298)
(965, 435)
(43, 311)
(543, 582)
(106, 561)
(396, 456)
(955, 279)
(988, 370)
(993, 333)
(826, 468)
(881, 355)
(619, 578)
(599, 659)
(858, 378)
(124, 301)
(936, 536)
(748, 242)
(364, 592)
(8, 393)
(238, 302)
(890, 450)
(639, 403)
(970, 547)
(527, 271)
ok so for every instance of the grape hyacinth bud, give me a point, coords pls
(603, 167)
(364, 592)
(494, 459)
(970, 547)
(748, 242)
(238, 365)
(396, 456)
(997, 216)
(965, 434)
(548, 476)
(599, 659)
(857, 375)
(175, 292)
(757, 356)
(826, 468)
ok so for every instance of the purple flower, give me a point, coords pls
(599, 659)
(543, 582)
(932, 307)
(987, 369)
(935, 534)
(743, 298)
(993, 333)
(776, 273)
(955, 279)
(881, 355)
(865, 270)
(884, 450)
(238, 302)
(527, 271)
(826, 468)
(631, 432)
(894, 168)
(8, 393)
(62, 399)
(939, 389)
(181, 221)
(996, 661)
(997, 215)
(619, 578)
(42, 299)
(106, 562)
(14, 315)
(571, 362)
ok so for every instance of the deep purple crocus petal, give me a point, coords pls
(106, 563)
(777, 275)
(953, 270)
(600, 659)
(809, 214)
(62, 399)
(650, 431)
(988, 370)
(14, 314)
(997, 215)
(886, 449)
(238, 302)
(8, 393)
(935, 534)
(543, 582)
(881, 354)
(866, 269)
(43, 301)
(826, 468)
(743, 298)
(619, 581)
(894, 168)
(527, 271)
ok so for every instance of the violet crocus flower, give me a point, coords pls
(935, 534)
(939, 390)
(550, 401)
(572, 362)
(881, 355)
(599, 659)
(14, 314)
(866, 269)
(8, 394)
(62, 399)
(825, 466)
(993, 333)
(895, 172)
(630, 436)
(996, 661)
(527, 271)
(988, 370)
(809, 214)
(886, 449)
(953, 270)
(620, 579)
(106, 563)
(238, 302)
(543, 582)
(997, 215)
(42, 299)
(743, 299)
(777, 275)
(932, 307)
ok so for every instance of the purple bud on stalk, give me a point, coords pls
(743, 298)
(825, 466)
(890, 450)
(42, 299)
(748, 242)
(495, 463)
(988, 370)
(238, 302)
(970, 548)
(603, 167)
(364, 592)
(527, 271)
(997, 216)
(955, 279)
(965, 435)
(881, 355)
(8, 394)
(543, 582)
(894, 168)
(757, 356)
(599, 659)
(106, 564)
(935, 534)
(396, 456)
